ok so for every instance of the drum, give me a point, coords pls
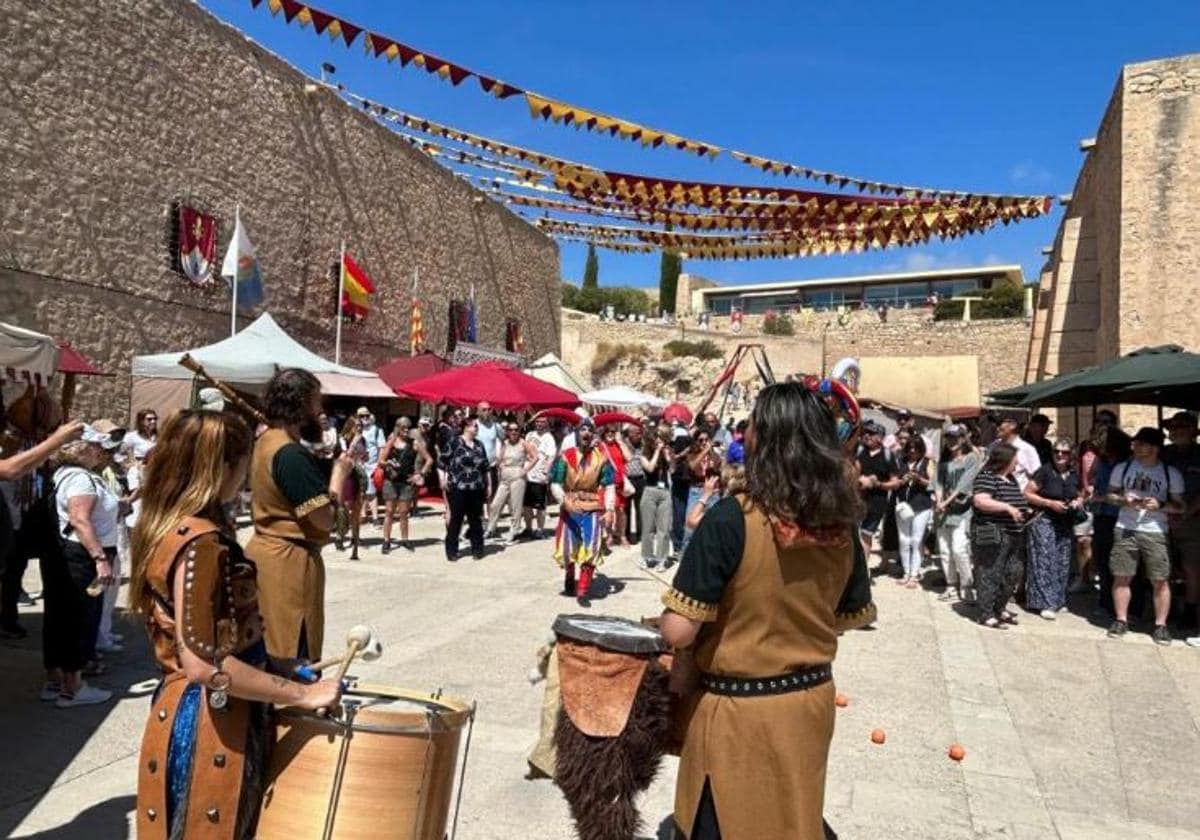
(610, 633)
(384, 768)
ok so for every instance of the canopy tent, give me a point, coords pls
(620, 397)
(71, 361)
(404, 369)
(247, 361)
(503, 386)
(550, 368)
(26, 355)
(1106, 383)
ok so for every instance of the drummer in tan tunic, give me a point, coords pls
(769, 579)
(292, 501)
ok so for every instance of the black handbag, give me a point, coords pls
(985, 534)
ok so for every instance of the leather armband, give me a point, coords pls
(208, 625)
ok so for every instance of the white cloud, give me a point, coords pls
(919, 261)
(1028, 172)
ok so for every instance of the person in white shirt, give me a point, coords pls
(145, 431)
(489, 435)
(373, 439)
(1147, 491)
(1028, 460)
(539, 477)
(75, 580)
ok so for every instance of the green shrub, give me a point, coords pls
(1006, 300)
(698, 349)
(775, 323)
(608, 356)
(623, 299)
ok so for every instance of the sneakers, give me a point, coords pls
(85, 695)
(1049, 615)
(1117, 629)
(111, 646)
(387, 548)
(1192, 641)
(50, 692)
(1161, 635)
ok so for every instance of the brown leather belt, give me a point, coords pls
(800, 680)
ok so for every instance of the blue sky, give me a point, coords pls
(991, 97)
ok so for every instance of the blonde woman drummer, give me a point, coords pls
(205, 743)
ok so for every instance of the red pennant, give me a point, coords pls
(254, 4)
(320, 20)
(406, 54)
(379, 44)
(290, 9)
(349, 31)
(457, 74)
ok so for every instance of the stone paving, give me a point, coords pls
(1067, 734)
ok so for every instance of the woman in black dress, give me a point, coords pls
(1056, 491)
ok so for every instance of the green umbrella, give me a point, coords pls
(1027, 394)
(1177, 392)
(1103, 384)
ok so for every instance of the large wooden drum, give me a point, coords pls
(384, 768)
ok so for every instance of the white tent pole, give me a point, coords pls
(337, 342)
(237, 215)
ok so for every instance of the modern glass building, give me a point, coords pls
(900, 290)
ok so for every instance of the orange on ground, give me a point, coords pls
(957, 752)
(878, 736)
(841, 700)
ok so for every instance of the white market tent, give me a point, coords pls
(246, 361)
(26, 355)
(620, 398)
(550, 368)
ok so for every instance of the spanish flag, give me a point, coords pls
(356, 287)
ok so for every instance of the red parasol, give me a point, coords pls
(71, 360)
(604, 418)
(564, 415)
(677, 412)
(502, 386)
(409, 368)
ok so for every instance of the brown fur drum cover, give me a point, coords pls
(601, 776)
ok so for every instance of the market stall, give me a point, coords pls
(245, 361)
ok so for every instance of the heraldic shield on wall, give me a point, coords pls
(197, 245)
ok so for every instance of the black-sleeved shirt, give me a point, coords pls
(299, 476)
(713, 555)
(466, 465)
(919, 497)
(883, 466)
(1053, 485)
(1002, 490)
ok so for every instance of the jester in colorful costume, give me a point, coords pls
(583, 481)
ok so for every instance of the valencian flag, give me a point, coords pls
(241, 268)
(197, 245)
(417, 330)
(356, 289)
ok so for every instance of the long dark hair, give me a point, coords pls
(795, 467)
(288, 397)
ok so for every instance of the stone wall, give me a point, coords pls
(113, 111)
(820, 340)
(1122, 272)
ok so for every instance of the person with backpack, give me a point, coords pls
(75, 577)
(1147, 491)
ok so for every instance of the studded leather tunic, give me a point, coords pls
(219, 791)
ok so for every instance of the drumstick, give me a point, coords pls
(195, 367)
(357, 639)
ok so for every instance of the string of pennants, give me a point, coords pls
(552, 110)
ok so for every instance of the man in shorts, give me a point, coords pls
(879, 474)
(1147, 491)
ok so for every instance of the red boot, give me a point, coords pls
(586, 571)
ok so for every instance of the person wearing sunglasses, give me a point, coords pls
(516, 457)
(1057, 492)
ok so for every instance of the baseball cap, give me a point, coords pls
(424, 421)
(363, 411)
(956, 430)
(903, 412)
(1150, 435)
(1041, 418)
(93, 435)
(1181, 418)
(109, 427)
(870, 427)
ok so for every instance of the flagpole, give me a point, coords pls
(337, 344)
(237, 215)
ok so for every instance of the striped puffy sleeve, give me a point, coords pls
(710, 562)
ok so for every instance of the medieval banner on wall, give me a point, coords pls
(197, 245)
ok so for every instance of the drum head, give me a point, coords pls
(610, 633)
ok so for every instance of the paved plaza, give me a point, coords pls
(1067, 734)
